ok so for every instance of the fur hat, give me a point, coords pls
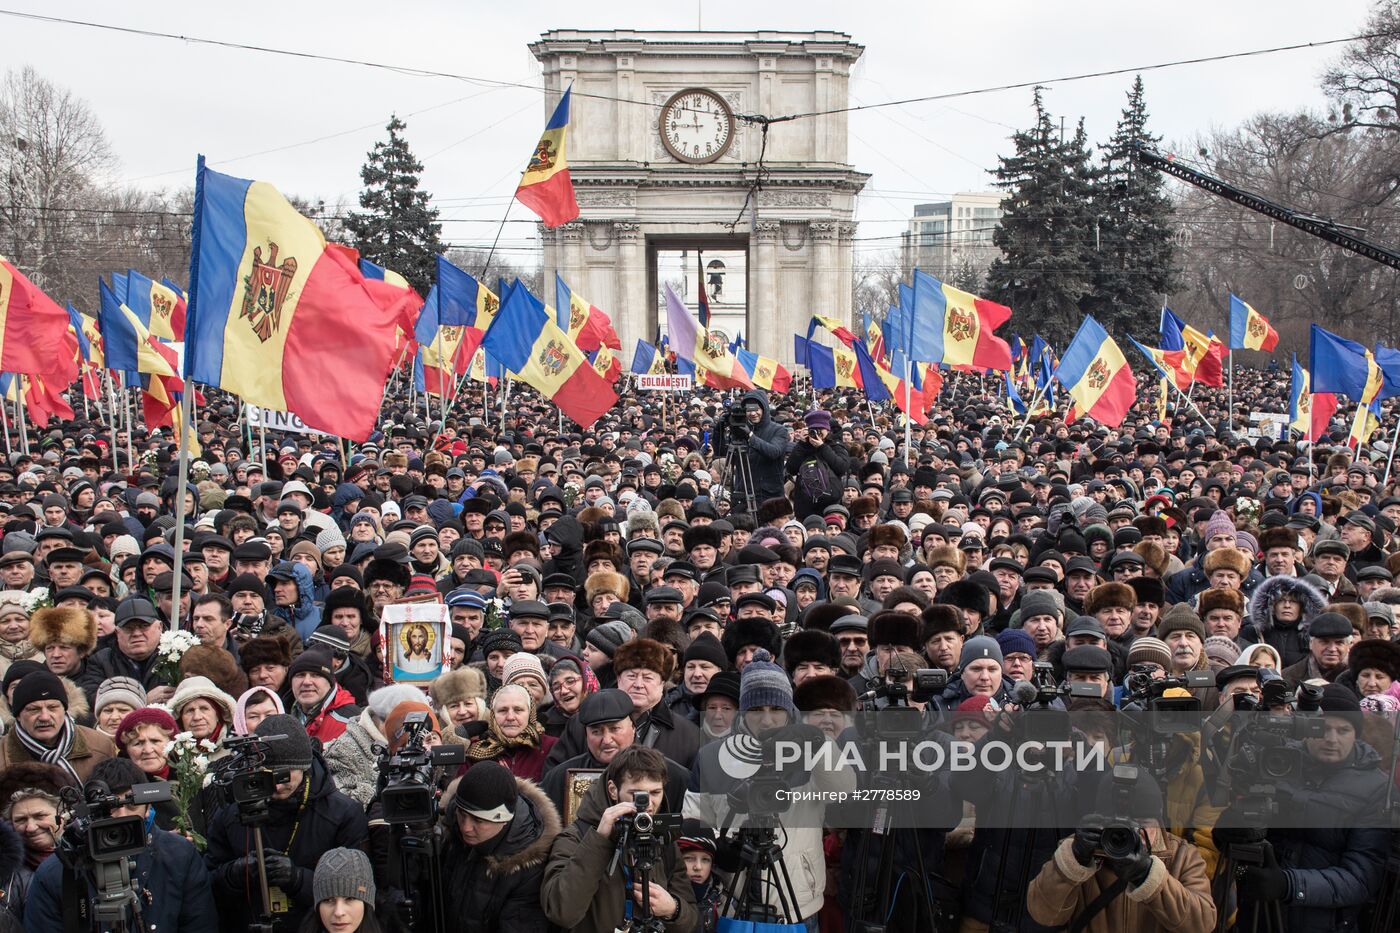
(1107, 595)
(937, 619)
(1375, 653)
(646, 653)
(1154, 556)
(22, 775)
(1151, 525)
(1220, 599)
(888, 627)
(1281, 536)
(1355, 613)
(265, 649)
(965, 594)
(811, 645)
(886, 535)
(465, 683)
(1147, 590)
(821, 616)
(605, 581)
(865, 505)
(218, 666)
(758, 632)
(63, 626)
(825, 692)
(1226, 558)
(602, 550)
(701, 534)
(520, 541)
(384, 569)
(669, 632)
(947, 556)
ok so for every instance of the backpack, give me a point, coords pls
(817, 482)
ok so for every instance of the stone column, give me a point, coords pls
(845, 263)
(761, 330)
(570, 252)
(553, 260)
(632, 300)
(824, 300)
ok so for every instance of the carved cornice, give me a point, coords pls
(626, 231)
(822, 230)
(767, 230)
(573, 230)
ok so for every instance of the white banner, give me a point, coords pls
(259, 417)
(664, 382)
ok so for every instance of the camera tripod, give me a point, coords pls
(1006, 920)
(738, 473)
(645, 852)
(419, 861)
(761, 866)
(869, 915)
(1265, 915)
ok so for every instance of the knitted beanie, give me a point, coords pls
(343, 873)
(1040, 603)
(764, 683)
(293, 747)
(706, 647)
(1181, 616)
(609, 636)
(1015, 641)
(119, 690)
(331, 537)
(983, 646)
(145, 716)
(1221, 651)
(1148, 649)
(524, 666)
(488, 792)
(36, 686)
(1219, 524)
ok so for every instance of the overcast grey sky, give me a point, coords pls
(163, 101)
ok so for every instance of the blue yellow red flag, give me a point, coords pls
(1250, 330)
(647, 360)
(32, 325)
(545, 188)
(275, 310)
(1339, 365)
(159, 308)
(526, 340)
(585, 324)
(948, 325)
(1096, 376)
(705, 349)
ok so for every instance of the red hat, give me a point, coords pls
(145, 716)
(976, 708)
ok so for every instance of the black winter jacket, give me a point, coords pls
(1291, 641)
(836, 458)
(768, 449)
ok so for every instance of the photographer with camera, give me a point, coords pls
(750, 428)
(816, 465)
(1325, 869)
(168, 882)
(1122, 871)
(499, 830)
(591, 885)
(306, 816)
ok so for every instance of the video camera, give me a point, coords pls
(1039, 720)
(406, 789)
(643, 835)
(898, 687)
(1165, 715)
(93, 834)
(736, 425)
(1266, 751)
(243, 777)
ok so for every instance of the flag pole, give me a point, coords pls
(127, 407)
(908, 418)
(1230, 392)
(113, 421)
(1030, 411)
(4, 415)
(19, 415)
(185, 410)
(1187, 398)
(1390, 459)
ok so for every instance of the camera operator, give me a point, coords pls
(499, 831)
(767, 443)
(1124, 872)
(1327, 870)
(579, 891)
(169, 878)
(308, 818)
(815, 465)
(766, 711)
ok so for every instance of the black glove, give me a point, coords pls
(1263, 884)
(1136, 866)
(280, 870)
(1087, 838)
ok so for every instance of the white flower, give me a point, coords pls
(169, 747)
(208, 779)
(184, 738)
(207, 746)
(202, 762)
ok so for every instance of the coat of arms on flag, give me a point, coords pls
(553, 357)
(960, 323)
(265, 291)
(1098, 374)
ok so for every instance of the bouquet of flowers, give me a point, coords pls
(173, 646)
(670, 470)
(571, 491)
(1247, 509)
(189, 773)
(496, 615)
(37, 598)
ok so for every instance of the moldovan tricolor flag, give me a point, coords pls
(158, 306)
(404, 345)
(764, 372)
(702, 348)
(444, 349)
(948, 325)
(1250, 330)
(525, 340)
(588, 326)
(1096, 376)
(1309, 413)
(282, 318)
(545, 187)
(646, 360)
(606, 364)
(32, 325)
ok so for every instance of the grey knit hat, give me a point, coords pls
(1040, 603)
(329, 538)
(983, 646)
(343, 873)
(764, 683)
(609, 636)
(119, 690)
(293, 750)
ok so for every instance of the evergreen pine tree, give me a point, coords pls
(1042, 274)
(1134, 269)
(398, 228)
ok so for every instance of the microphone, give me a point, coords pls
(1024, 693)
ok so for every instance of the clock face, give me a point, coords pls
(696, 126)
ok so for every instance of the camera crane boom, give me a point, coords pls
(1327, 230)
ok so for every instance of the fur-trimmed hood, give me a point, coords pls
(527, 840)
(1267, 593)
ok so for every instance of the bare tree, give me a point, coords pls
(875, 279)
(52, 153)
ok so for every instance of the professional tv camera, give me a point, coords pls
(1122, 835)
(406, 791)
(407, 795)
(103, 848)
(244, 779)
(1040, 720)
(644, 836)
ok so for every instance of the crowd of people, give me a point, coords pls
(633, 605)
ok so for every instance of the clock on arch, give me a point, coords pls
(696, 126)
